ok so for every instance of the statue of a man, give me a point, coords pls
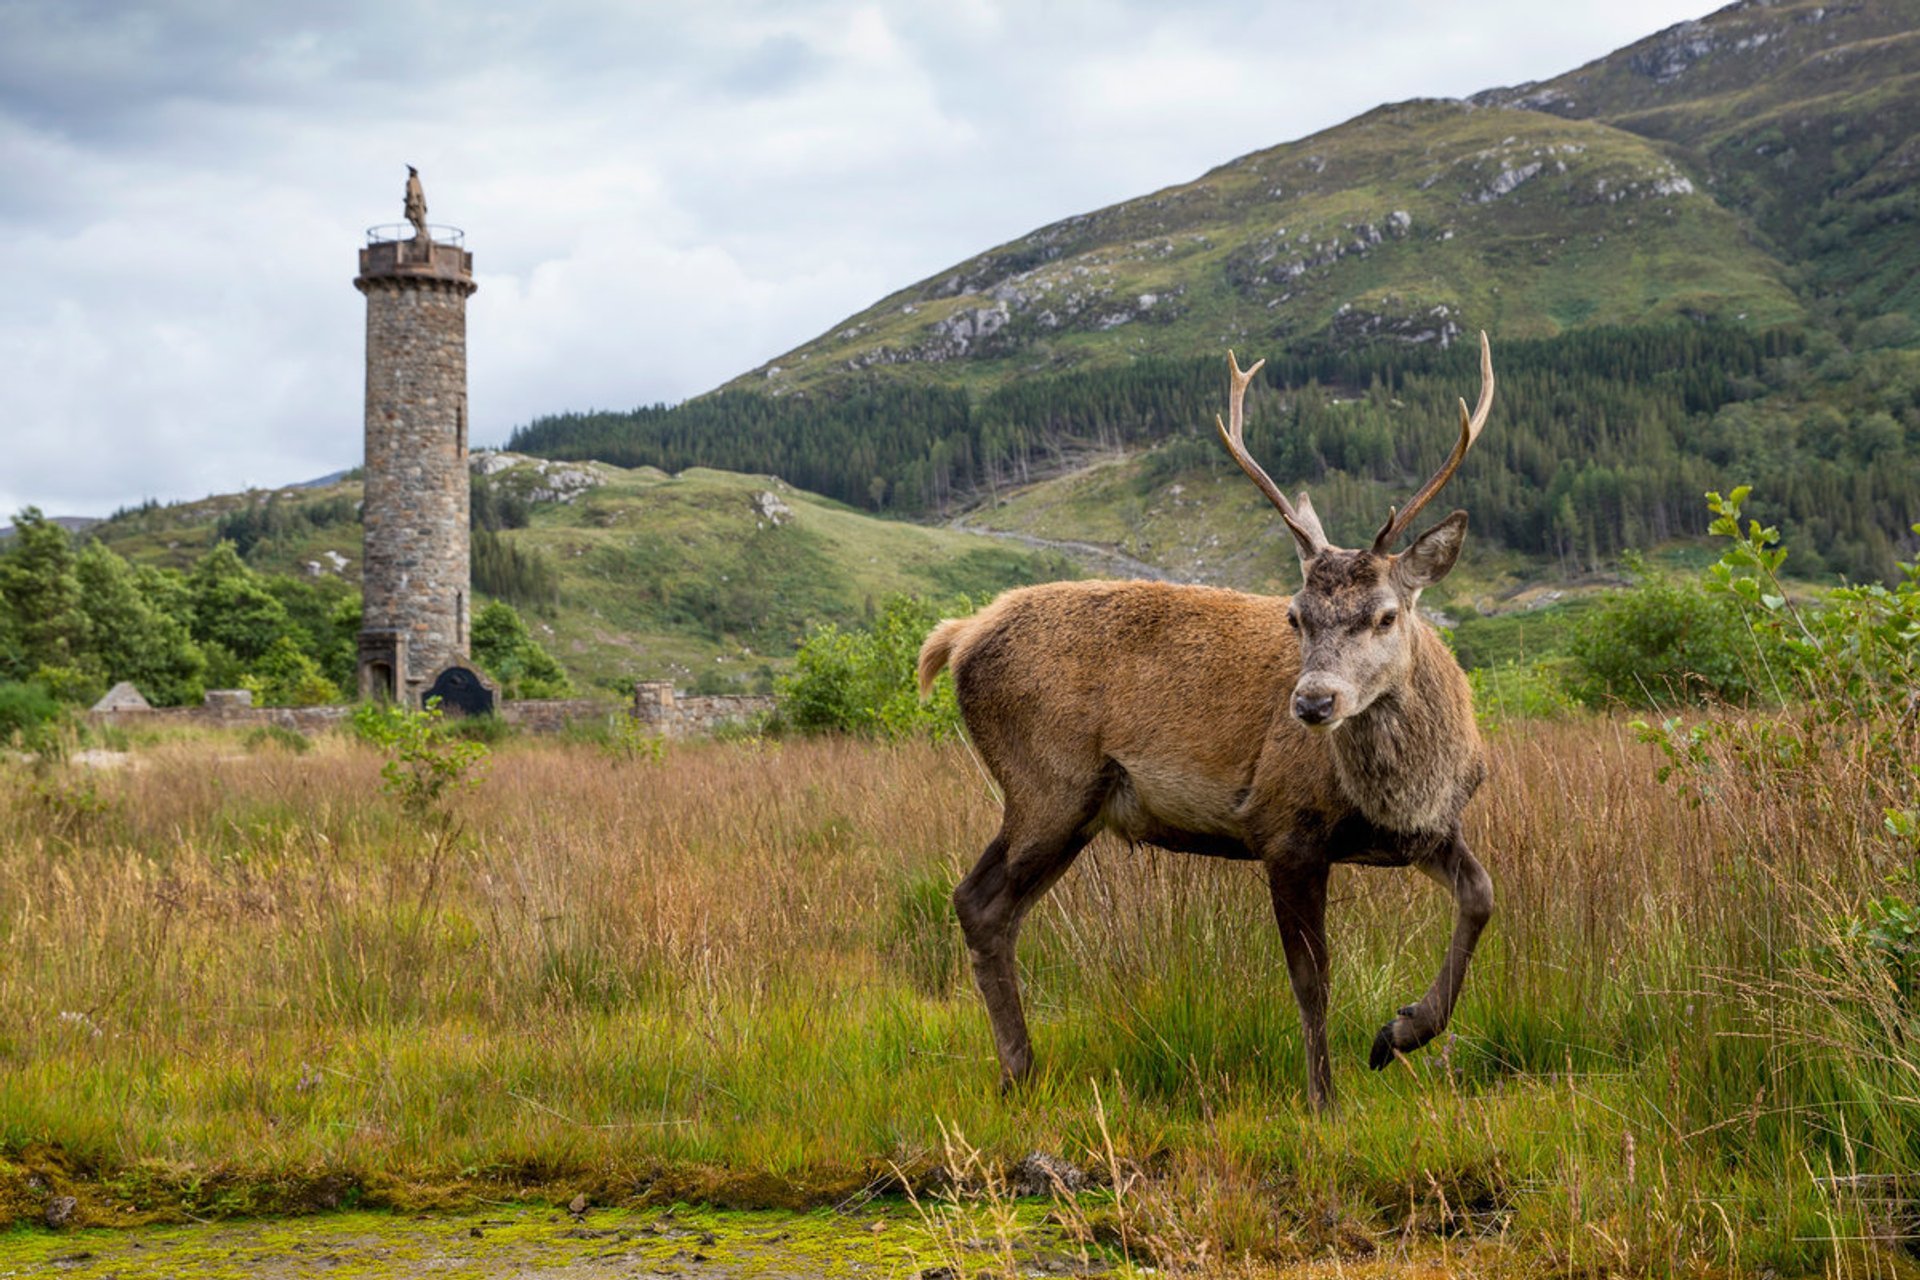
(416, 205)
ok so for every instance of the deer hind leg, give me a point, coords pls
(1300, 909)
(1020, 865)
(1460, 873)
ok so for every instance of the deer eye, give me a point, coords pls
(1293, 620)
(1387, 620)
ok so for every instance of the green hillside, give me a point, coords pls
(1416, 223)
(1803, 117)
(1696, 259)
(704, 577)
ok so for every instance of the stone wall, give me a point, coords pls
(414, 573)
(656, 705)
(307, 720)
(552, 715)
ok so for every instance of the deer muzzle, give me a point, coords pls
(1321, 703)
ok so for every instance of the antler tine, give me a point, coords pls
(1232, 437)
(1470, 426)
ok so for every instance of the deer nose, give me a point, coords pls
(1313, 708)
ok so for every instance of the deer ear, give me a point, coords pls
(1432, 554)
(1305, 525)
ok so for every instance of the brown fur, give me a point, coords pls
(1162, 713)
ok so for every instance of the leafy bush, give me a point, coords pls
(425, 762)
(862, 681)
(284, 676)
(27, 714)
(507, 651)
(1850, 663)
(1667, 642)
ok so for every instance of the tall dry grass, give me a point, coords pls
(734, 971)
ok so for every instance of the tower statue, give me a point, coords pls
(416, 581)
(416, 206)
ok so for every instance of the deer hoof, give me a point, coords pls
(1404, 1034)
(1382, 1051)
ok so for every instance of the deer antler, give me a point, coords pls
(1399, 518)
(1306, 532)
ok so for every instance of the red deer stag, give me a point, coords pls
(1330, 727)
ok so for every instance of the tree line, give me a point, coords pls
(1603, 439)
(77, 617)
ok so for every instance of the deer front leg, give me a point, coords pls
(1300, 909)
(1460, 873)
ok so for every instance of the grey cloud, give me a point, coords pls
(658, 195)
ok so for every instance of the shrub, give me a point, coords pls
(862, 681)
(1666, 642)
(424, 761)
(285, 676)
(28, 713)
(507, 651)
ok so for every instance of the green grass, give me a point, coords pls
(242, 984)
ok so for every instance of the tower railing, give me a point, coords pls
(388, 232)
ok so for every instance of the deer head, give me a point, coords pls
(1354, 612)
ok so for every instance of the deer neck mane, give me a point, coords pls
(1411, 760)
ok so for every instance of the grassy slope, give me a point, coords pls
(662, 575)
(1804, 116)
(1797, 124)
(1398, 222)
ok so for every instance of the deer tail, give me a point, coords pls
(938, 648)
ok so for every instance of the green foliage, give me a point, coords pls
(506, 650)
(132, 635)
(493, 506)
(1857, 654)
(1666, 642)
(1520, 691)
(276, 521)
(1608, 435)
(232, 608)
(862, 680)
(80, 621)
(504, 569)
(425, 762)
(621, 738)
(1850, 662)
(70, 684)
(40, 594)
(285, 676)
(1886, 935)
(28, 714)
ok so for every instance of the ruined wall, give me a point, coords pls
(415, 571)
(655, 705)
(307, 720)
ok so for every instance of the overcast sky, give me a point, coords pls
(657, 196)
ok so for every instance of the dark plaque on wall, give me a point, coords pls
(461, 693)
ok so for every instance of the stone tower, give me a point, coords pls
(415, 571)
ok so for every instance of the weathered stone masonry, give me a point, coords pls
(415, 574)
